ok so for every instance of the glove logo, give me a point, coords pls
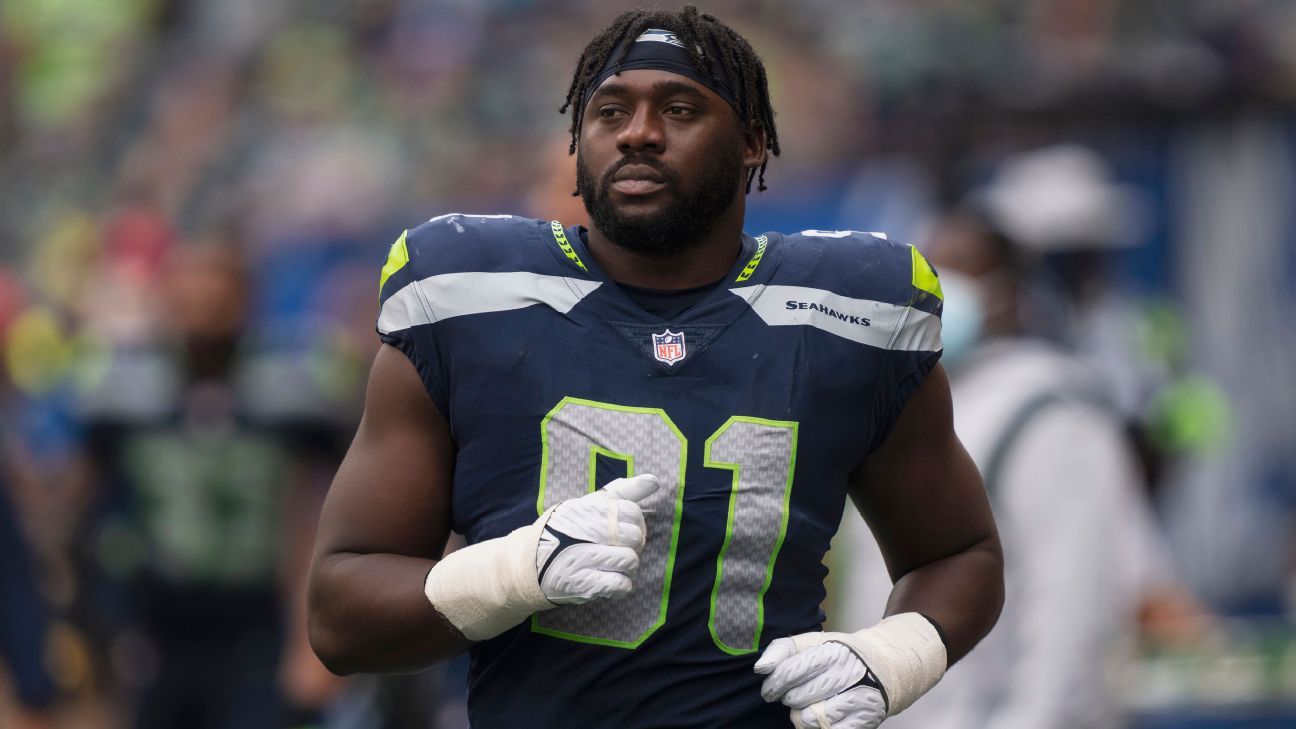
(556, 541)
(668, 347)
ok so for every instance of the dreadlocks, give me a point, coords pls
(696, 30)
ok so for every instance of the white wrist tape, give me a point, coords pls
(905, 653)
(486, 588)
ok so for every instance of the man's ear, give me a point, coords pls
(755, 142)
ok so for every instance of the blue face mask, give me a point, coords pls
(963, 318)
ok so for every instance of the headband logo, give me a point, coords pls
(660, 36)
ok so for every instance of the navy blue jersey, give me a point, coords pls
(753, 407)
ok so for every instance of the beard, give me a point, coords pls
(682, 224)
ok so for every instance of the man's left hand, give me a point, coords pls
(825, 683)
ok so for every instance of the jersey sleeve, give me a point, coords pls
(914, 345)
(406, 319)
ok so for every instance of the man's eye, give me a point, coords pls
(608, 112)
(678, 110)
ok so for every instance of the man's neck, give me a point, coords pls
(697, 265)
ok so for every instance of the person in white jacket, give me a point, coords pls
(1079, 540)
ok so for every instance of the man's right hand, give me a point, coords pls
(576, 551)
(590, 546)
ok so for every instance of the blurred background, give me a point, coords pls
(196, 198)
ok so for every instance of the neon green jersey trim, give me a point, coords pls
(560, 237)
(396, 260)
(924, 278)
(750, 268)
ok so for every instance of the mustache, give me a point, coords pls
(638, 159)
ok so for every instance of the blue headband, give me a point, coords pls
(663, 51)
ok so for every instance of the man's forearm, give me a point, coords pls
(963, 593)
(368, 613)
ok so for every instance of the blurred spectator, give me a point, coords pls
(1080, 543)
(24, 613)
(210, 457)
(1062, 206)
(1069, 218)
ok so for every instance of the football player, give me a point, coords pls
(647, 431)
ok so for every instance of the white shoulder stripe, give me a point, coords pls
(437, 298)
(875, 323)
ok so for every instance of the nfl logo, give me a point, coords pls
(668, 347)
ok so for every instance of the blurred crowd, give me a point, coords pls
(196, 198)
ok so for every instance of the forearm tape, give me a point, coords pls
(486, 588)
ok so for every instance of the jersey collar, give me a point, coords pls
(754, 266)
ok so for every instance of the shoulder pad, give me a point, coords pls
(868, 265)
(458, 242)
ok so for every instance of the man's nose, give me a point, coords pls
(642, 131)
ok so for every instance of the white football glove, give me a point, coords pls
(590, 546)
(582, 549)
(827, 686)
(853, 680)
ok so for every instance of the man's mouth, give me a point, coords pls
(637, 180)
(632, 186)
